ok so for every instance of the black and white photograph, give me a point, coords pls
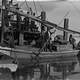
(39, 39)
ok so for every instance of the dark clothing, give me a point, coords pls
(42, 28)
(19, 19)
(32, 25)
(72, 41)
(26, 23)
(78, 45)
(46, 36)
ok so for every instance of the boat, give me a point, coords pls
(28, 48)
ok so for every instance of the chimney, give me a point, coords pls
(43, 18)
(66, 25)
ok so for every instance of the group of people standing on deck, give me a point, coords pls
(29, 24)
(16, 24)
(72, 41)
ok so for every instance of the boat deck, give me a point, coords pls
(28, 55)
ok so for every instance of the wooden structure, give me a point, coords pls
(32, 56)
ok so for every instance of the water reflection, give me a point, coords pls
(63, 69)
(70, 70)
(66, 68)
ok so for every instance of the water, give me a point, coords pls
(72, 72)
(75, 76)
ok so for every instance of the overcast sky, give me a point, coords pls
(56, 11)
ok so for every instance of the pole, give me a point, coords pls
(63, 72)
(4, 2)
(66, 25)
(43, 18)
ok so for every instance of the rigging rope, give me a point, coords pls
(27, 5)
(40, 6)
(21, 4)
(77, 9)
(35, 7)
(64, 17)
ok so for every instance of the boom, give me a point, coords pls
(46, 23)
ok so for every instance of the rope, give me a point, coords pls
(27, 5)
(15, 59)
(64, 17)
(77, 9)
(40, 6)
(35, 7)
(41, 49)
(21, 4)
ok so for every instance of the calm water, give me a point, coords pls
(72, 72)
(76, 75)
(75, 71)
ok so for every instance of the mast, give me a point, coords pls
(43, 18)
(66, 25)
(4, 13)
(7, 33)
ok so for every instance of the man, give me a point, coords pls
(26, 22)
(72, 40)
(32, 25)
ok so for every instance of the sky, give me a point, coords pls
(56, 11)
(48, 0)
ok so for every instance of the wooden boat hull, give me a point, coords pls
(30, 58)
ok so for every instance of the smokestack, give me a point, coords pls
(4, 20)
(43, 17)
(66, 25)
